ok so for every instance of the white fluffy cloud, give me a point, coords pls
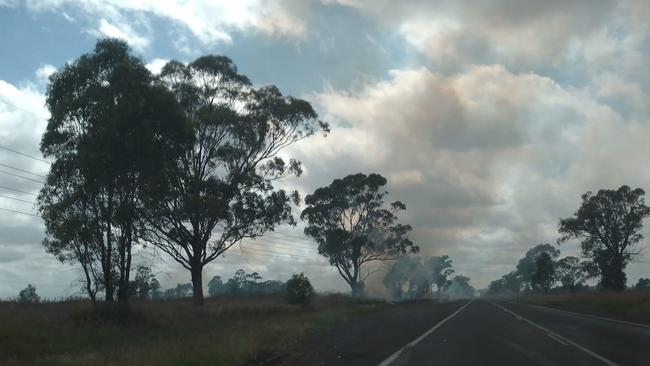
(209, 22)
(486, 160)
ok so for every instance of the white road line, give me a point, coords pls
(558, 340)
(564, 339)
(417, 340)
(584, 315)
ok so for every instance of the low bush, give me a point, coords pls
(299, 290)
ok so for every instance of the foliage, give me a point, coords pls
(28, 295)
(352, 226)
(643, 284)
(509, 283)
(399, 274)
(440, 268)
(571, 273)
(544, 276)
(243, 283)
(609, 224)
(110, 128)
(527, 266)
(145, 285)
(460, 288)
(220, 190)
(299, 289)
(182, 290)
(418, 276)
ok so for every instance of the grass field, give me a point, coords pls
(226, 331)
(627, 305)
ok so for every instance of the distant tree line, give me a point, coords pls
(608, 224)
(410, 278)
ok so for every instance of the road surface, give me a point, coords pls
(480, 332)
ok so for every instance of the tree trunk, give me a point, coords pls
(108, 266)
(197, 284)
(357, 289)
(617, 274)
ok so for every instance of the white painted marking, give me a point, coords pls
(585, 315)
(588, 351)
(417, 340)
(558, 340)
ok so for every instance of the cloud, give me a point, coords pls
(532, 33)
(486, 160)
(210, 22)
(156, 65)
(122, 31)
(43, 73)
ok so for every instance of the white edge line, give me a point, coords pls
(605, 360)
(558, 340)
(582, 314)
(417, 340)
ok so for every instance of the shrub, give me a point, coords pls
(299, 289)
(28, 295)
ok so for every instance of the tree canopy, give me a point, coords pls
(220, 190)
(111, 127)
(352, 226)
(608, 224)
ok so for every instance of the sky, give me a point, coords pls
(488, 118)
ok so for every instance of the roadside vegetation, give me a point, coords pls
(227, 330)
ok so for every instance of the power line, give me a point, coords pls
(293, 244)
(292, 250)
(16, 199)
(304, 237)
(19, 191)
(19, 212)
(22, 109)
(26, 155)
(21, 170)
(290, 256)
(20, 176)
(296, 262)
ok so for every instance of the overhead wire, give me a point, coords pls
(21, 176)
(22, 170)
(25, 155)
(18, 212)
(16, 199)
(19, 191)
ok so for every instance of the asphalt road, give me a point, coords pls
(482, 332)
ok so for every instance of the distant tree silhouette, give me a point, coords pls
(460, 287)
(299, 289)
(544, 276)
(28, 295)
(571, 272)
(220, 190)
(440, 268)
(110, 127)
(527, 266)
(399, 274)
(643, 284)
(144, 285)
(352, 226)
(609, 224)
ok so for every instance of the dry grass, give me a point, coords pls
(226, 331)
(626, 305)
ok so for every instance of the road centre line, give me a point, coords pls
(392, 358)
(566, 340)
